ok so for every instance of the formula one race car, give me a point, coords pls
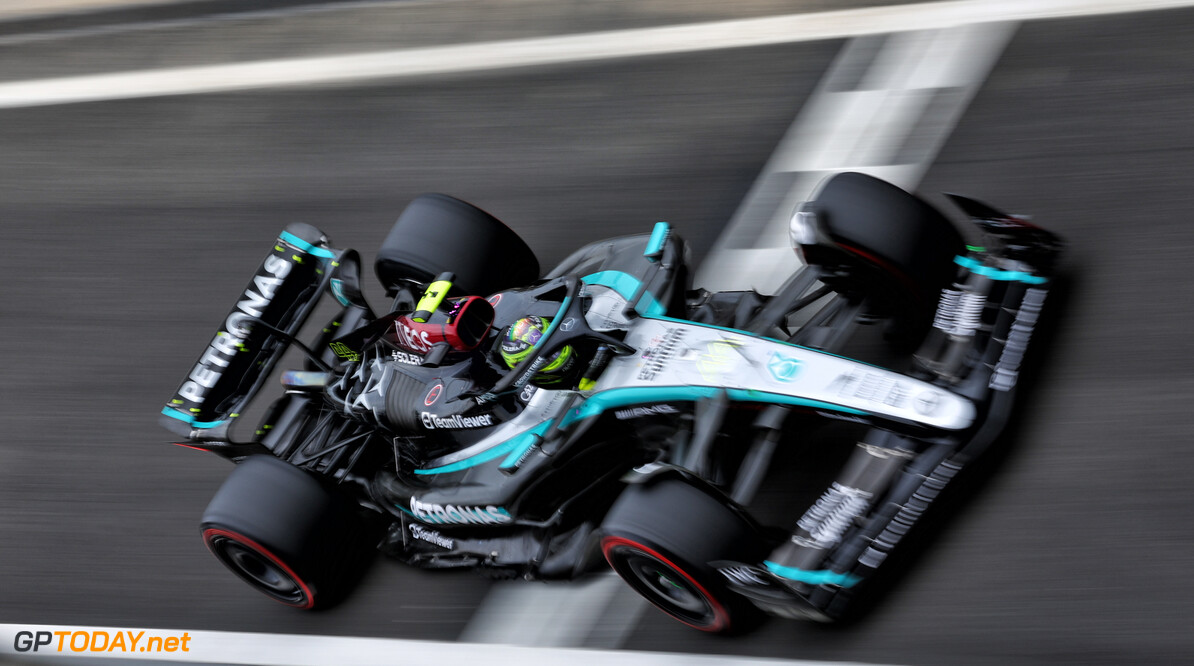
(526, 426)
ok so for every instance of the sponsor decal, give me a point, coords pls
(431, 536)
(1007, 370)
(525, 454)
(657, 356)
(783, 368)
(909, 514)
(638, 412)
(872, 387)
(717, 358)
(433, 395)
(805, 542)
(457, 422)
(527, 393)
(406, 358)
(123, 641)
(832, 515)
(449, 514)
(485, 398)
(530, 373)
(494, 300)
(231, 339)
(743, 575)
(567, 324)
(412, 339)
(343, 351)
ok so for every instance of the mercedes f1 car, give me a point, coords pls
(532, 426)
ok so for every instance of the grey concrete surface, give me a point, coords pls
(311, 28)
(130, 226)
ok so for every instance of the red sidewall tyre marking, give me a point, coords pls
(721, 618)
(208, 534)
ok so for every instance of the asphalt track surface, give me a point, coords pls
(129, 228)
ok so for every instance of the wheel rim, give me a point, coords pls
(259, 567)
(665, 584)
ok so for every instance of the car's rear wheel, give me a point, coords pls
(286, 533)
(661, 537)
(438, 233)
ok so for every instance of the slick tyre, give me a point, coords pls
(903, 249)
(438, 233)
(660, 537)
(285, 533)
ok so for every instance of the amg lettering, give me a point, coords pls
(638, 412)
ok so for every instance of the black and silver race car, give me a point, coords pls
(532, 426)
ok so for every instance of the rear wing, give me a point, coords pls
(270, 311)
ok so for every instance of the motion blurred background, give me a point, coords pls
(129, 227)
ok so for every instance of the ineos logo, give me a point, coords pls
(411, 338)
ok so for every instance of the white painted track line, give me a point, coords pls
(889, 123)
(596, 613)
(552, 50)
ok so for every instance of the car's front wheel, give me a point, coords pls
(661, 537)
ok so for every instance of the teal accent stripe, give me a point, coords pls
(472, 461)
(555, 322)
(658, 236)
(304, 246)
(513, 447)
(523, 443)
(599, 403)
(976, 267)
(627, 286)
(190, 420)
(405, 510)
(820, 577)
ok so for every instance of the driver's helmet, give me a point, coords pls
(521, 336)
